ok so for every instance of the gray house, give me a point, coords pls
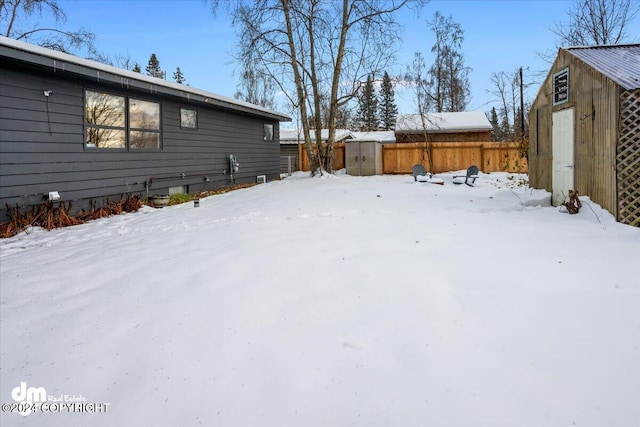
(78, 130)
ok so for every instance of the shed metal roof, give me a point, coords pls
(620, 63)
(62, 62)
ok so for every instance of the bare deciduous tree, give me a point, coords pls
(320, 48)
(256, 86)
(597, 22)
(505, 89)
(416, 76)
(15, 22)
(449, 86)
(508, 92)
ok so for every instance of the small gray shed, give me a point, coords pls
(363, 157)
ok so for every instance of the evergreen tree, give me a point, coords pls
(517, 125)
(505, 126)
(497, 133)
(136, 68)
(368, 107)
(153, 67)
(178, 76)
(388, 108)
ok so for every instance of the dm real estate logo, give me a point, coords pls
(28, 397)
(35, 399)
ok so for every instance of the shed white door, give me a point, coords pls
(563, 147)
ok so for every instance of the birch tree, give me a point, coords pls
(597, 22)
(316, 48)
(449, 85)
(17, 21)
(416, 76)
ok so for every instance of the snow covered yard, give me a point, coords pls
(367, 301)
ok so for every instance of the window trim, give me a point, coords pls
(127, 125)
(555, 91)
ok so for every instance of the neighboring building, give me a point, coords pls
(381, 136)
(585, 128)
(295, 136)
(89, 131)
(468, 126)
(292, 146)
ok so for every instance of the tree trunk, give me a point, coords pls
(313, 159)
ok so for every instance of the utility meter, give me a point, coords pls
(233, 164)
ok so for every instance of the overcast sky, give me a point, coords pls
(499, 36)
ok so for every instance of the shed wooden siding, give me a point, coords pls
(595, 99)
(44, 151)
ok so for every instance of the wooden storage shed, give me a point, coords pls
(585, 128)
(86, 131)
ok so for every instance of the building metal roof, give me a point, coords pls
(382, 136)
(465, 121)
(295, 136)
(61, 63)
(620, 63)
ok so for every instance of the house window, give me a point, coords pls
(561, 87)
(144, 124)
(188, 118)
(105, 119)
(107, 127)
(268, 132)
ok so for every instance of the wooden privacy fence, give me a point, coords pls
(338, 156)
(447, 156)
(452, 156)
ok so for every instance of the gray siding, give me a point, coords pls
(42, 145)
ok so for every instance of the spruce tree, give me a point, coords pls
(153, 67)
(505, 126)
(178, 76)
(368, 107)
(136, 68)
(388, 107)
(495, 124)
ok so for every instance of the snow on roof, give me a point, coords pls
(64, 62)
(467, 121)
(295, 136)
(384, 136)
(620, 63)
